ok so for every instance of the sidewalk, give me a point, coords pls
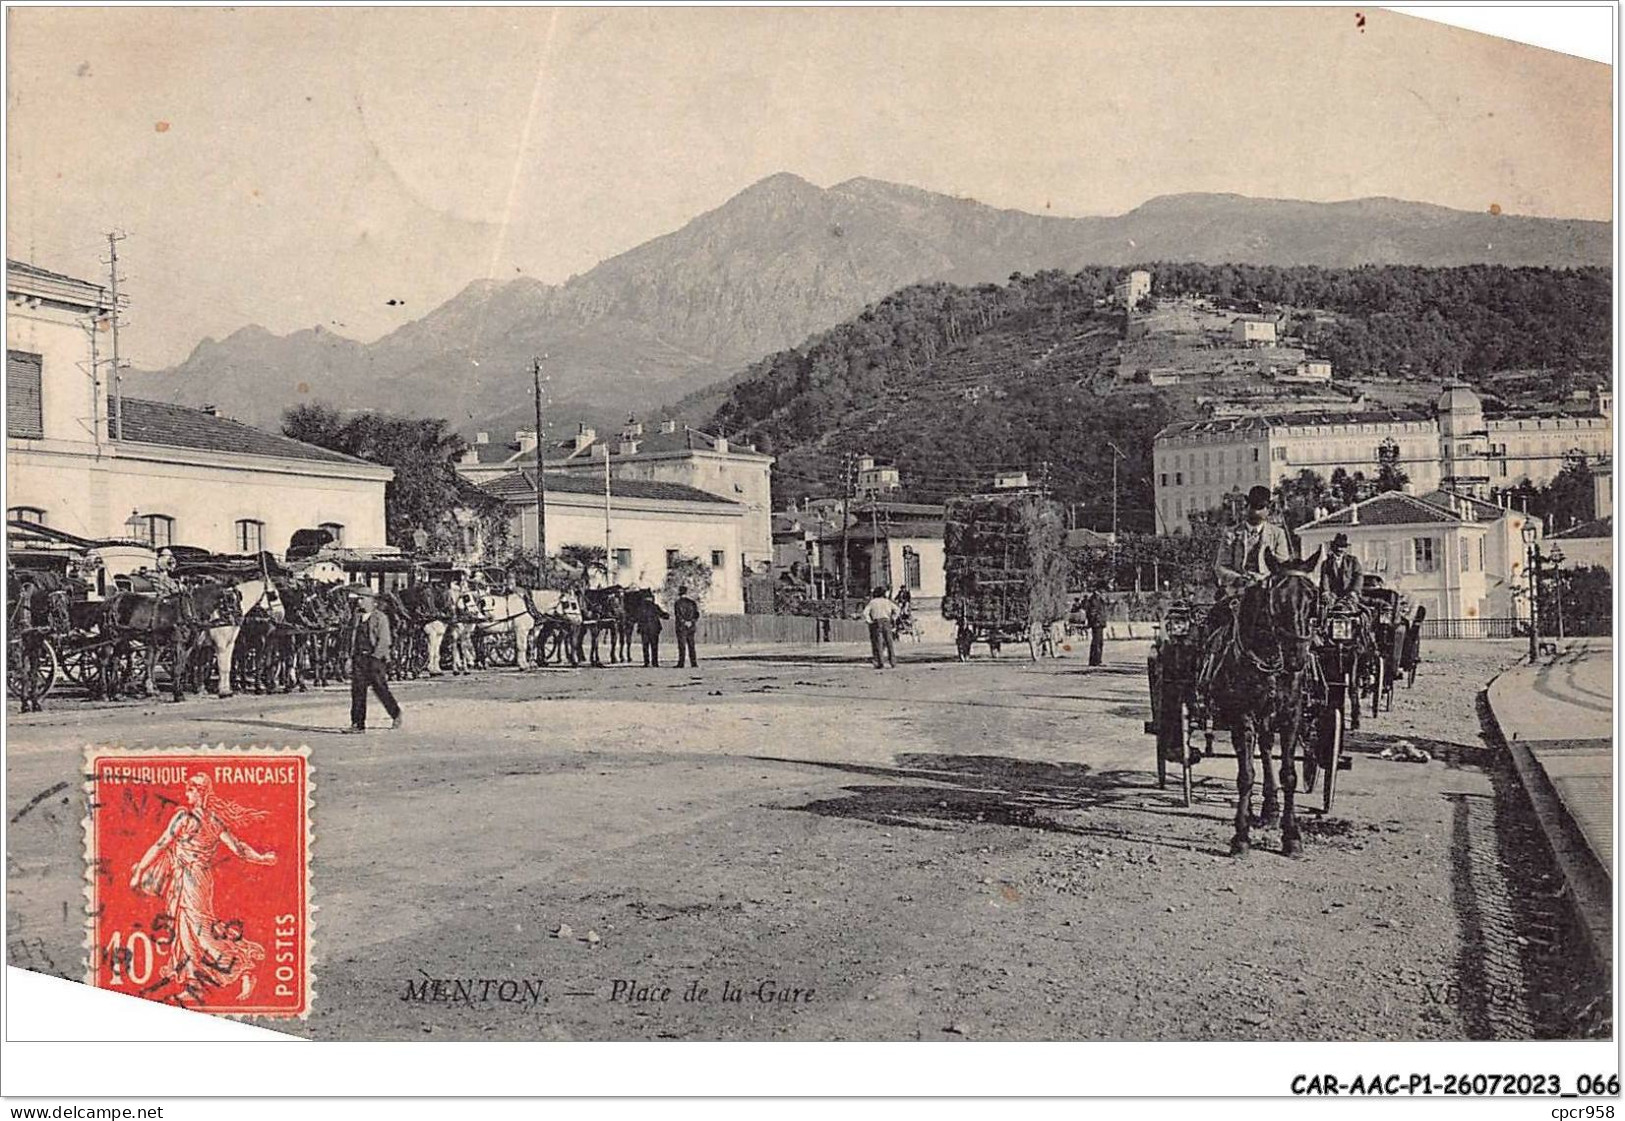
(1557, 720)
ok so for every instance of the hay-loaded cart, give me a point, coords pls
(1006, 573)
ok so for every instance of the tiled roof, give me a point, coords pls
(27, 269)
(1483, 509)
(522, 485)
(1389, 508)
(1602, 527)
(652, 442)
(176, 426)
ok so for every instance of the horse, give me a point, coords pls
(604, 612)
(39, 607)
(432, 608)
(156, 619)
(556, 624)
(1258, 685)
(509, 613)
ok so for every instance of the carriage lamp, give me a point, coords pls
(1342, 628)
(1176, 625)
(134, 525)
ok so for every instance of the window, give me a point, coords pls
(24, 414)
(718, 558)
(623, 558)
(671, 557)
(31, 514)
(1466, 557)
(250, 535)
(911, 567)
(335, 529)
(1165, 478)
(154, 530)
(1481, 554)
(1179, 478)
(1255, 455)
(1278, 454)
(1423, 548)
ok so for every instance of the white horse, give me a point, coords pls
(508, 613)
(251, 593)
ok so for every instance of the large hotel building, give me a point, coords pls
(1198, 463)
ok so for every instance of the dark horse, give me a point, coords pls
(603, 613)
(39, 607)
(179, 619)
(1259, 685)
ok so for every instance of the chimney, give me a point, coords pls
(600, 451)
(584, 436)
(482, 437)
(1354, 514)
(667, 427)
(633, 429)
(211, 410)
(526, 439)
(628, 447)
(722, 445)
(469, 456)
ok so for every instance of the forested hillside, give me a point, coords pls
(954, 383)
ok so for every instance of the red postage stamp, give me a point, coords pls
(198, 868)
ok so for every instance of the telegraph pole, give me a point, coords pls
(113, 238)
(1117, 453)
(609, 555)
(541, 501)
(846, 513)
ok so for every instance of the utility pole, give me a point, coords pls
(846, 515)
(541, 500)
(113, 238)
(609, 554)
(1117, 453)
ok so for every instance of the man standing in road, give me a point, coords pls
(880, 613)
(649, 628)
(687, 614)
(1094, 613)
(369, 661)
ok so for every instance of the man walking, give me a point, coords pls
(369, 661)
(880, 613)
(1094, 613)
(687, 614)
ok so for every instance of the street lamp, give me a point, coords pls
(1531, 534)
(134, 524)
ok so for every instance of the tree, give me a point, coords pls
(426, 490)
(686, 570)
(585, 557)
(1301, 495)
(1569, 499)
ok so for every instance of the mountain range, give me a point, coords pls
(778, 262)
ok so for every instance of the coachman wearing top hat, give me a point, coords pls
(1341, 577)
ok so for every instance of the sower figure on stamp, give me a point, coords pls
(687, 614)
(369, 661)
(206, 952)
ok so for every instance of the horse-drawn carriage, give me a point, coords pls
(1275, 662)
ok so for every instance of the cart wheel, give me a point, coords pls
(45, 674)
(1171, 747)
(1381, 670)
(1331, 752)
(1185, 767)
(1351, 688)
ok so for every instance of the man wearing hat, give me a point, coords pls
(369, 660)
(687, 614)
(1341, 577)
(1240, 560)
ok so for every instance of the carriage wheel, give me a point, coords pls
(1381, 670)
(1330, 743)
(1352, 689)
(502, 650)
(1154, 676)
(44, 675)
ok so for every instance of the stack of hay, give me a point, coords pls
(1004, 562)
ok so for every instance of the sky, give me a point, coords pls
(299, 167)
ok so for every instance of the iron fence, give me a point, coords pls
(1436, 627)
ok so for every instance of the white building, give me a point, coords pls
(1587, 545)
(875, 478)
(1251, 331)
(1456, 555)
(1197, 463)
(1133, 288)
(649, 525)
(1309, 371)
(669, 453)
(163, 474)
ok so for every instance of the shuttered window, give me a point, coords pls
(24, 415)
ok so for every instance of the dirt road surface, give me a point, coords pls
(942, 851)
